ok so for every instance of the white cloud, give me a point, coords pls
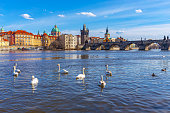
(87, 14)
(51, 12)
(27, 16)
(61, 15)
(1, 15)
(119, 32)
(138, 11)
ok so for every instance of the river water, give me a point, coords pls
(131, 88)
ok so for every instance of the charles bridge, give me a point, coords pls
(125, 45)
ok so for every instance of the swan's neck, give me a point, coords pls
(59, 67)
(83, 72)
(14, 69)
(106, 67)
(102, 78)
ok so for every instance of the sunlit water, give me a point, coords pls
(130, 89)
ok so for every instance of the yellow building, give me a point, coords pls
(3, 42)
(37, 40)
(23, 38)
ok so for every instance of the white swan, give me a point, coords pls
(63, 71)
(17, 70)
(81, 76)
(102, 83)
(108, 73)
(34, 80)
(15, 73)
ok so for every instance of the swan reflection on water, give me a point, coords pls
(34, 87)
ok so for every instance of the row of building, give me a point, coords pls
(69, 41)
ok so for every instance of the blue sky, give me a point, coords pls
(131, 19)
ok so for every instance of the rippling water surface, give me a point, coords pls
(130, 89)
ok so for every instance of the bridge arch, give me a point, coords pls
(114, 47)
(152, 46)
(131, 46)
(96, 47)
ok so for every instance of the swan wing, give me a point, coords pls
(80, 76)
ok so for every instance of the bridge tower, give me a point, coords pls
(84, 34)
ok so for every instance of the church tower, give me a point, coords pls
(84, 34)
(107, 35)
(2, 29)
(55, 31)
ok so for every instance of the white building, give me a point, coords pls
(69, 42)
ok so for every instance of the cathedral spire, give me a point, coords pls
(38, 33)
(107, 30)
(84, 27)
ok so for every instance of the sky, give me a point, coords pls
(131, 19)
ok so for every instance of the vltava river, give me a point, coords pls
(130, 89)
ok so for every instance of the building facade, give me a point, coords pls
(24, 38)
(69, 41)
(84, 35)
(3, 42)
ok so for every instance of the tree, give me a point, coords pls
(57, 44)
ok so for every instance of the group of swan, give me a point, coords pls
(34, 80)
(102, 83)
(17, 71)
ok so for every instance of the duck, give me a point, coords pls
(81, 76)
(108, 73)
(102, 83)
(15, 73)
(17, 70)
(163, 69)
(153, 75)
(34, 80)
(62, 71)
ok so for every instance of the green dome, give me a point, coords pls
(2, 29)
(55, 29)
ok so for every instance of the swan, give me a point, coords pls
(102, 83)
(108, 73)
(163, 56)
(163, 69)
(17, 70)
(34, 80)
(62, 71)
(81, 76)
(15, 73)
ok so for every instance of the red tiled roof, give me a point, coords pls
(5, 40)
